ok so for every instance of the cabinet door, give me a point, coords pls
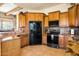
(31, 17)
(46, 21)
(62, 41)
(21, 20)
(44, 40)
(0, 48)
(78, 15)
(24, 40)
(72, 16)
(50, 17)
(11, 48)
(41, 17)
(37, 17)
(54, 15)
(63, 19)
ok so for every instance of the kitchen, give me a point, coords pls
(46, 30)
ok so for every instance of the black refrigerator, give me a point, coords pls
(35, 30)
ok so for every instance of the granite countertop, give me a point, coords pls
(74, 46)
(8, 37)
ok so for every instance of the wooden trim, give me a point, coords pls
(71, 7)
(22, 13)
(63, 12)
(33, 13)
(46, 15)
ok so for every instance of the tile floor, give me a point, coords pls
(41, 50)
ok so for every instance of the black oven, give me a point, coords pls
(53, 34)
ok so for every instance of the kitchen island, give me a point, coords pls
(0, 48)
(9, 45)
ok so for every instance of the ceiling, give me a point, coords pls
(36, 6)
(11, 8)
(7, 7)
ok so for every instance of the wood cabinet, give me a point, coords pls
(62, 41)
(46, 21)
(72, 16)
(11, 48)
(35, 16)
(21, 19)
(54, 16)
(44, 40)
(63, 19)
(78, 15)
(24, 40)
(0, 48)
(31, 16)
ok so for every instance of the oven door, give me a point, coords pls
(54, 39)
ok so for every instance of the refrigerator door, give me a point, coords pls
(35, 33)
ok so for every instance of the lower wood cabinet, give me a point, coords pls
(24, 40)
(44, 40)
(62, 41)
(0, 48)
(11, 48)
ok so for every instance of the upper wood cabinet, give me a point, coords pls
(63, 19)
(72, 16)
(78, 15)
(46, 21)
(54, 15)
(31, 16)
(21, 20)
(35, 16)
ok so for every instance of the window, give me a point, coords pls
(6, 24)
